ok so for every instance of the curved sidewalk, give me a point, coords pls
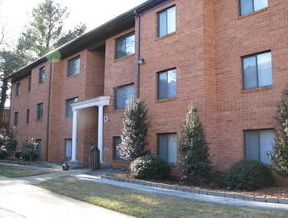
(187, 193)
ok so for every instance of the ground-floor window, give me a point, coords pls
(39, 146)
(258, 143)
(116, 144)
(167, 147)
(68, 148)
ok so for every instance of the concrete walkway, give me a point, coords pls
(19, 198)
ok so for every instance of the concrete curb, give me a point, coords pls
(202, 192)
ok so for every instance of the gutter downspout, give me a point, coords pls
(48, 110)
(137, 63)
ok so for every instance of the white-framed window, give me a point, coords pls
(258, 143)
(18, 86)
(167, 84)
(124, 96)
(257, 70)
(74, 66)
(125, 45)
(41, 76)
(68, 148)
(69, 112)
(167, 147)
(167, 21)
(249, 6)
(39, 111)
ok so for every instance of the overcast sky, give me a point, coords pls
(14, 14)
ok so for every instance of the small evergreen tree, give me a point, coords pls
(134, 132)
(196, 164)
(279, 155)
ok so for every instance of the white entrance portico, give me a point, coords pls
(99, 102)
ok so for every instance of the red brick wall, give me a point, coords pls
(240, 109)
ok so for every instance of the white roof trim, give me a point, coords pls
(99, 101)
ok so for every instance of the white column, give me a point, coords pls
(74, 135)
(100, 131)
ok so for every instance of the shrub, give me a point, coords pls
(30, 151)
(149, 167)
(18, 154)
(249, 175)
(196, 165)
(3, 153)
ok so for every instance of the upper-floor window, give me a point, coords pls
(249, 6)
(41, 76)
(257, 70)
(69, 112)
(123, 96)
(29, 84)
(125, 45)
(74, 66)
(27, 116)
(39, 111)
(167, 21)
(167, 147)
(16, 116)
(17, 89)
(258, 143)
(167, 84)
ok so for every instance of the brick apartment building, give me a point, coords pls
(228, 57)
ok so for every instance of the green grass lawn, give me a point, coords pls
(142, 204)
(13, 171)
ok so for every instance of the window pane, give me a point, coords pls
(74, 66)
(171, 20)
(250, 72)
(252, 145)
(116, 142)
(163, 147)
(120, 47)
(246, 6)
(69, 112)
(172, 145)
(266, 144)
(260, 4)
(162, 85)
(162, 23)
(68, 148)
(129, 94)
(120, 97)
(130, 45)
(264, 69)
(171, 83)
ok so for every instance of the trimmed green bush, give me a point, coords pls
(149, 167)
(249, 175)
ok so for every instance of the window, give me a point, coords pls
(69, 112)
(249, 6)
(68, 148)
(29, 84)
(123, 96)
(16, 116)
(27, 116)
(39, 111)
(116, 144)
(74, 66)
(258, 143)
(17, 89)
(41, 76)
(167, 84)
(125, 45)
(167, 147)
(167, 21)
(39, 146)
(257, 70)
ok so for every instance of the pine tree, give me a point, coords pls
(279, 155)
(134, 132)
(196, 164)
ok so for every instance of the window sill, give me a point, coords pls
(163, 37)
(166, 100)
(74, 75)
(123, 57)
(252, 13)
(257, 89)
(39, 121)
